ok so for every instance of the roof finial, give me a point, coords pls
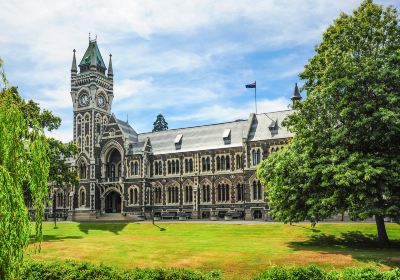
(127, 119)
(73, 67)
(89, 36)
(110, 68)
(296, 94)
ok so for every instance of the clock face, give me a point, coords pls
(100, 101)
(84, 100)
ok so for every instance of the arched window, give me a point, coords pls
(82, 198)
(238, 162)
(239, 192)
(186, 166)
(203, 165)
(190, 165)
(208, 163)
(218, 163)
(173, 167)
(223, 164)
(256, 156)
(131, 196)
(257, 190)
(82, 172)
(188, 194)
(59, 199)
(169, 167)
(135, 196)
(156, 168)
(157, 195)
(260, 191)
(177, 166)
(206, 193)
(160, 168)
(228, 163)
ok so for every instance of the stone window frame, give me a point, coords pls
(240, 154)
(252, 156)
(223, 155)
(201, 162)
(184, 165)
(132, 162)
(131, 196)
(82, 204)
(258, 186)
(158, 161)
(176, 186)
(161, 187)
(203, 187)
(177, 171)
(186, 187)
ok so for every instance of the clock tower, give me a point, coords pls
(92, 95)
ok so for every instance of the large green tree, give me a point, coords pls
(345, 154)
(24, 163)
(160, 123)
(28, 161)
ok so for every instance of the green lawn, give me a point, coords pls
(239, 251)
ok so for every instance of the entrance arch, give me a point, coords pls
(113, 202)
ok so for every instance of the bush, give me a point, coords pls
(71, 270)
(314, 272)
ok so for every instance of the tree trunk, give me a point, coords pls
(382, 235)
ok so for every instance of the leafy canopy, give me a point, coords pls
(160, 124)
(345, 153)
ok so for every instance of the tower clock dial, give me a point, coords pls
(100, 101)
(84, 100)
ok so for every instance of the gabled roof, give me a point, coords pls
(92, 50)
(260, 127)
(128, 132)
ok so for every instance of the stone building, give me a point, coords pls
(205, 172)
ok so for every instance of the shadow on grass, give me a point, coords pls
(53, 238)
(111, 227)
(161, 228)
(362, 247)
(308, 228)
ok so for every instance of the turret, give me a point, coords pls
(296, 95)
(74, 69)
(110, 73)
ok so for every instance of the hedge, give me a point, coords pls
(71, 270)
(314, 272)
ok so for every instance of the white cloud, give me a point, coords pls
(222, 113)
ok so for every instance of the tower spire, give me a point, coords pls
(73, 66)
(296, 94)
(93, 64)
(110, 69)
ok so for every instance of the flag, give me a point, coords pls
(252, 85)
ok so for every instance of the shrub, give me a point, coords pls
(71, 270)
(314, 272)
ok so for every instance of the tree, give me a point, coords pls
(24, 163)
(160, 124)
(345, 154)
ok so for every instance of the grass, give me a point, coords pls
(239, 251)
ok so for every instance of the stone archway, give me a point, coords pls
(113, 202)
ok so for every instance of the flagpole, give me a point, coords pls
(255, 96)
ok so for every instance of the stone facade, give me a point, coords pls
(203, 172)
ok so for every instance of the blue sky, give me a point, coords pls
(188, 60)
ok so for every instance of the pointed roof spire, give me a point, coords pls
(110, 69)
(296, 94)
(73, 66)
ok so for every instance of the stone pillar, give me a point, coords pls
(102, 205)
(92, 196)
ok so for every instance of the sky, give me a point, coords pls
(189, 60)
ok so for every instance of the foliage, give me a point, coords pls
(71, 270)
(314, 272)
(60, 174)
(160, 124)
(3, 78)
(24, 163)
(345, 155)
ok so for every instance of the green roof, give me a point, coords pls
(93, 49)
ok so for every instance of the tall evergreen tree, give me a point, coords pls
(160, 124)
(345, 154)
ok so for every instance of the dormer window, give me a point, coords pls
(273, 127)
(226, 136)
(178, 141)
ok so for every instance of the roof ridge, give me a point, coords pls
(151, 132)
